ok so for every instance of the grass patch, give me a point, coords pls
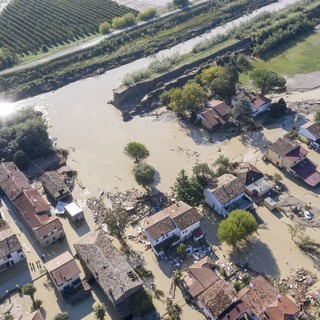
(297, 56)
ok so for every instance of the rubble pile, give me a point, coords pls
(299, 284)
(137, 204)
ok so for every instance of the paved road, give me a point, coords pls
(84, 45)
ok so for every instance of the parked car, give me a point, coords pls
(307, 215)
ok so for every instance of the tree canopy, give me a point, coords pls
(239, 225)
(117, 221)
(187, 100)
(140, 303)
(29, 289)
(180, 3)
(26, 131)
(144, 175)
(278, 109)
(61, 316)
(219, 80)
(223, 164)
(188, 189)
(202, 173)
(267, 81)
(147, 14)
(241, 116)
(99, 311)
(137, 151)
(104, 27)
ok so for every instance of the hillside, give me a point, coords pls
(26, 26)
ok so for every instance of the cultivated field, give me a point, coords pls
(27, 25)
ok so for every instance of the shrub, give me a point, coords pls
(246, 278)
(237, 286)
(104, 27)
(61, 316)
(180, 3)
(140, 303)
(21, 160)
(125, 21)
(147, 14)
(181, 249)
(37, 304)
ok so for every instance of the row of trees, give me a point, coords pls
(127, 20)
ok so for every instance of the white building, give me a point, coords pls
(10, 247)
(74, 212)
(63, 271)
(170, 226)
(225, 194)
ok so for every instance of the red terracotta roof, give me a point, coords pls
(62, 268)
(256, 100)
(282, 309)
(234, 311)
(258, 295)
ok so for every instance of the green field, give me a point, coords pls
(27, 25)
(298, 56)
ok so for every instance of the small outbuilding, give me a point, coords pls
(74, 212)
(270, 203)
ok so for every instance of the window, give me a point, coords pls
(45, 237)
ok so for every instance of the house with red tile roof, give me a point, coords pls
(281, 309)
(173, 224)
(63, 271)
(257, 102)
(291, 156)
(215, 115)
(30, 204)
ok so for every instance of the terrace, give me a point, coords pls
(242, 203)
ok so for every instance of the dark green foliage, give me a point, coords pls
(278, 109)
(238, 285)
(203, 173)
(241, 116)
(29, 289)
(267, 81)
(8, 317)
(144, 175)
(37, 304)
(180, 3)
(21, 160)
(61, 316)
(223, 165)
(141, 303)
(26, 25)
(25, 131)
(173, 310)
(239, 225)
(188, 189)
(243, 63)
(136, 151)
(44, 48)
(8, 58)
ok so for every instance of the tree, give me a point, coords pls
(8, 316)
(277, 177)
(295, 230)
(7, 58)
(136, 151)
(104, 27)
(126, 20)
(144, 175)
(61, 316)
(180, 3)
(37, 304)
(246, 278)
(239, 225)
(117, 221)
(241, 116)
(141, 303)
(219, 80)
(187, 100)
(278, 109)
(181, 249)
(317, 117)
(202, 173)
(267, 81)
(44, 48)
(147, 14)
(188, 189)
(99, 311)
(223, 163)
(21, 160)
(173, 310)
(29, 289)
